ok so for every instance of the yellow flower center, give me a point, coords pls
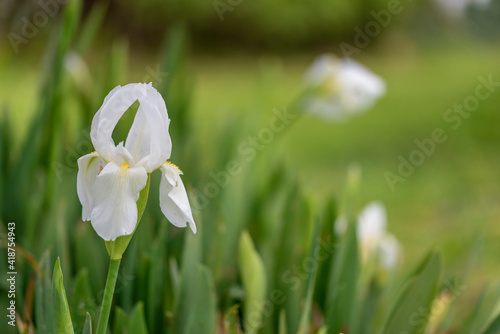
(125, 165)
(327, 87)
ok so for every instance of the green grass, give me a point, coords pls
(448, 202)
(452, 195)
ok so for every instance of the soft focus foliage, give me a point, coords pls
(265, 258)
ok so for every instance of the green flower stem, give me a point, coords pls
(115, 249)
(109, 291)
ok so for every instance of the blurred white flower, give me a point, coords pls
(389, 251)
(109, 180)
(339, 88)
(78, 69)
(340, 225)
(373, 238)
(457, 8)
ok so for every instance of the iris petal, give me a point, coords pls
(148, 139)
(115, 193)
(174, 202)
(88, 168)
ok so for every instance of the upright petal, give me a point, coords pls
(121, 156)
(324, 68)
(104, 122)
(340, 88)
(148, 140)
(88, 168)
(174, 202)
(372, 222)
(149, 137)
(115, 193)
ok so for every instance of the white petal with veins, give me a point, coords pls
(116, 192)
(148, 137)
(148, 140)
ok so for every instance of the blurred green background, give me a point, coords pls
(237, 70)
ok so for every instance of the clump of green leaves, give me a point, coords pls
(265, 260)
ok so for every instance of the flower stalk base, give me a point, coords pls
(107, 300)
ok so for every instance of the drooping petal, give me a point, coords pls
(359, 87)
(115, 193)
(149, 134)
(174, 202)
(389, 251)
(88, 168)
(329, 109)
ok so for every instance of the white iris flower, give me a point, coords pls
(110, 179)
(373, 238)
(338, 88)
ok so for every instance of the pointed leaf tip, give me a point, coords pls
(62, 317)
